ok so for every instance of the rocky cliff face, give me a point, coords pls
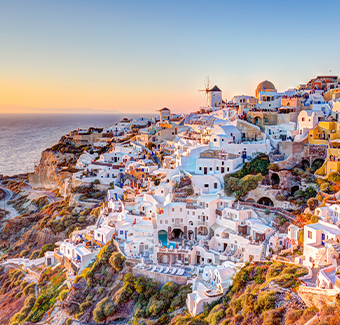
(49, 173)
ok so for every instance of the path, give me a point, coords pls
(312, 282)
(3, 204)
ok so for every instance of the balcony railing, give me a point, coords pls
(219, 212)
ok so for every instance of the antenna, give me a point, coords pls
(204, 92)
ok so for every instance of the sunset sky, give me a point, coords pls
(139, 56)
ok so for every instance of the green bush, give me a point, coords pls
(103, 309)
(265, 301)
(46, 248)
(24, 253)
(34, 255)
(117, 261)
(63, 295)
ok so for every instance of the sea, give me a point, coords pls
(24, 136)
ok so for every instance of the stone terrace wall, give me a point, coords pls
(317, 297)
(160, 277)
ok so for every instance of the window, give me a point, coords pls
(210, 168)
(303, 119)
(166, 222)
(173, 209)
(222, 163)
(217, 168)
(227, 169)
(206, 185)
(222, 139)
(121, 232)
(180, 210)
(98, 235)
(207, 205)
(215, 140)
(181, 220)
(215, 185)
(188, 212)
(161, 221)
(310, 235)
(200, 168)
(173, 220)
(193, 213)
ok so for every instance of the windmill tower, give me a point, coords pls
(212, 96)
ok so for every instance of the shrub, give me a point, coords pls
(280, 197)
(96, 182)
(157, 181)
(265, 301)
(324, 187)
(63, 295)
(274, 167)
(24, 253)
(45, 248)
(216, 315)
(117, 261)
(85, 305)
(104, 309)
(34, 255)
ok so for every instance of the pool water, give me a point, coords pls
(164, 239)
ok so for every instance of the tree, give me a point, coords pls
(157, 181)
(312, 203)
(150, 145)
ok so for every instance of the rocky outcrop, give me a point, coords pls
(49, 173)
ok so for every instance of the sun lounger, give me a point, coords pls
(153, 269)
(178, 272)
(167, 270)
(174, 271)
(160, 270)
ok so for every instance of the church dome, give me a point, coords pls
(264, 86)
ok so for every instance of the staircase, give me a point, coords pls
(264, 248)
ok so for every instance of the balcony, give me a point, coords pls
(219, 212)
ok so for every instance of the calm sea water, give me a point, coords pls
(23, 137)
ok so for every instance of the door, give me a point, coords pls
(205, 170)
(222, 170)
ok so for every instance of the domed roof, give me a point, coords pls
(264, 86)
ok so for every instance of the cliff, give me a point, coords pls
(49, 173)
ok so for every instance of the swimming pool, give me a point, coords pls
(163, 237)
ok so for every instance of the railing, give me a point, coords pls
(219, 212)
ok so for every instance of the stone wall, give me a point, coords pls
(317, 297)
(160, 277)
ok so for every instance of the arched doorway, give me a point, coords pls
(266, 201)
(305, 164)
(190, 235)
(202, 231)
(317, 163)
(257, 120)
(275, 178)
(177, 234)
(294, 189)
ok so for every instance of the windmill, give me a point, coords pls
(205, 92)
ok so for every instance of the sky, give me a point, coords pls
(139, 56)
